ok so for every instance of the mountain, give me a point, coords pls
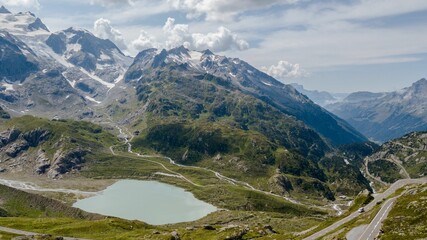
(3, 10)
(237, 74)
(196, 107)
(18, 61)
(78, 70)
(82, 49)
(209, 110)
(384, 116)
(55, 74)
(212, 125)
(322, 98)
(405, 157)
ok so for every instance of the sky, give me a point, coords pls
(331, 45)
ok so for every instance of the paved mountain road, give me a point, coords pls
(377, 199)
(375, 226)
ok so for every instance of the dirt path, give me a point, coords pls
(221, 177)
(33, 187)
(26, 233)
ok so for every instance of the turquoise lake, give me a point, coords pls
(149, 201)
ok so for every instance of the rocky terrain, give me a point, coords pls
(32, 146)
(55, 74)
(405, 157)
(4, 114)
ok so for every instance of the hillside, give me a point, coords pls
(16, 203)
(235, 76)
(407, 219)
(234, 123)
(37, 146)
(385, 116)
(405, 157)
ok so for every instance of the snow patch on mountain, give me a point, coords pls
(23, 23)
(92, 100)
(98, 79)
(7, 86)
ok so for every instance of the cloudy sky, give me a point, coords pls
(333, 45)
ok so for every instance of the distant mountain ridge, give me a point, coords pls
(385, 116)
(321, 98)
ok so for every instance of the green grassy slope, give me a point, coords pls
(16, 203)
(408, 218)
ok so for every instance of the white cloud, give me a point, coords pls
(221, 40)
(177, 34)
(284, 70)
(21, 3)
(109, 3)
(324, 35)
(103, 29)
(222, 9)
(144, 41)
(173, 35)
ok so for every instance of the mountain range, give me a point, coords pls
(385, 116)
(195, 106)
(322, 98)
(72, 70)
(216, 126)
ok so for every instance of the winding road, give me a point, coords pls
(377, 199)
(221, 177)
(374, 227)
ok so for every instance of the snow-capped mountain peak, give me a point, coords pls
(4, 10)
(22, 23)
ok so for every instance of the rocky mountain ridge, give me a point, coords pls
(55, 74)
(385, 116)
(239, 75)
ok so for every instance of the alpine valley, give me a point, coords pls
(77, 115)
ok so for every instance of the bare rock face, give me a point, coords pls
(280, 184)
(15, 143)
(43, 162)
(9, 136)
(36, 136)
(65, 162)
(16, 148)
